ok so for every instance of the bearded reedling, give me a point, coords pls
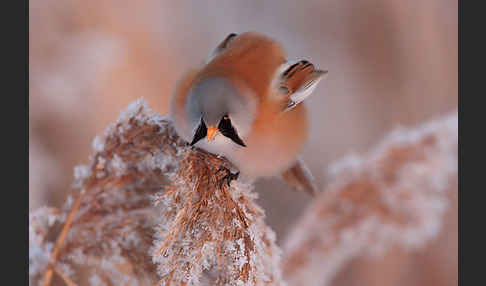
(244, 104)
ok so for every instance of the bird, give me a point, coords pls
(245, 103)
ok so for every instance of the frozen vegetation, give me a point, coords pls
(149, 210)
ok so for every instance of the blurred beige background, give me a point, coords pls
(390, 63)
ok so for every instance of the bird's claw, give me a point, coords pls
(228, 177)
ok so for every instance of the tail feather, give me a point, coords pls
(299, 177)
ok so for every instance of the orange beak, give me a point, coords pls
(212, 131)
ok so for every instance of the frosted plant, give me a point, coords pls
(40, 222)
(395, 195)
(110, 227)
(212, 234)
(150, 210)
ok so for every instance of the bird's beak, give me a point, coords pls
(212, 131)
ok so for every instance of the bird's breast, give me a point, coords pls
(272, 146)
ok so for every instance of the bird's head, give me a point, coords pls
(216, 107)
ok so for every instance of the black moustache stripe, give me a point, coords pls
(231, 134)
(229, 131)
(201, 132)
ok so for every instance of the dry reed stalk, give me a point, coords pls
(110, 227)
(113, 225)
(211, 233)
(204, 232)
(394, 196)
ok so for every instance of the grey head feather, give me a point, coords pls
(214, 97)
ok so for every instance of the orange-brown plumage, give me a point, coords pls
(247, 66)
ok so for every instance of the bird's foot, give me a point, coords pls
(228, 177)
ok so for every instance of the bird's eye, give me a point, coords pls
(201, 132)
(227, 129)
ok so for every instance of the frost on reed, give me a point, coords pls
(396, 195)
(212, 234)
(200, 232)
(152, 211)
(110, 223)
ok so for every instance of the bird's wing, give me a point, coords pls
(297, 82)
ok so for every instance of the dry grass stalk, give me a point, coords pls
(112, 227)
(395, 196)
(46, 280)
(210, 232)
